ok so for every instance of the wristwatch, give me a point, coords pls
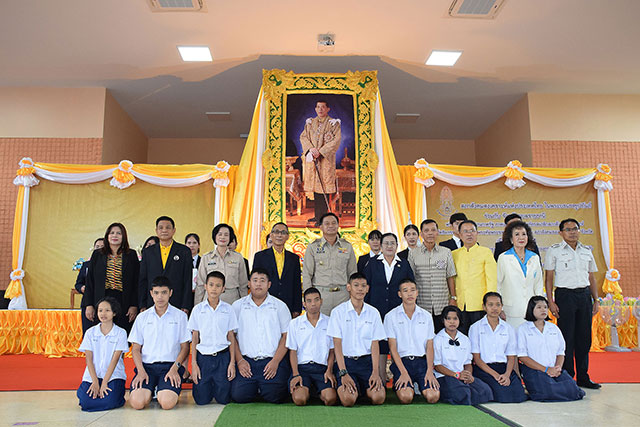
(178, 365)
(342, 373)
(453, 297)
(457, 375)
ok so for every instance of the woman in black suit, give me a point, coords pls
(384, 275)
(113, 271)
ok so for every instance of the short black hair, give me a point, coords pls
(389, 234)
(166, 218)
(357, 275)
(280, 223)
(458, 216)
(564, 221)
(216, 230)
(533, 301)
(194, 235)
(328, 214)
(511, 216)
(410, 227)
(489, 295)
(407, 281)
(259, 270)
(160, 282)
(428, 221)
(375, 234)
(216, 274)
(266, 238)
(98, 240)
(508, 232)
(154, 238)
(448, 309)
(311, 291)
(115, 305)
(324, 102)
(468, 221)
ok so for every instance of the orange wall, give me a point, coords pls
(508, 138)
(47, 150)
(623, 157)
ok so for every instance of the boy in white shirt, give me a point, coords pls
(356, 328)
(410, 331)
(212, 325)
(262, 331)
(160, 341)
(311, 353)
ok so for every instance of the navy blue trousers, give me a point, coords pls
(513, 393)
(417, 369)
(312, 375)
(359, 370)
(275, 390)
(575, 307)
(213, 383)
(543, 388)
(456, 392)
(114, 399)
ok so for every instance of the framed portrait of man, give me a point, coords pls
(319, 154)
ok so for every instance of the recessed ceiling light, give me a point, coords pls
(195, 53)
(444, 58)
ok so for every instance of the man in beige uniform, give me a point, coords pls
(328, 263)
(320, 140)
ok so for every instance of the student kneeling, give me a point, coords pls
(410, 332)
(311, 353)
(160, 341)
(213, 360)
(541, 353)
(263, 321)
(356, 328)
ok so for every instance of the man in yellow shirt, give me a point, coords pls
(283, 268)
(477, 275)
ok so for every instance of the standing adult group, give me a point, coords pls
(456, 273)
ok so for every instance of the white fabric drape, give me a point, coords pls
(383, 203)
(20, 302)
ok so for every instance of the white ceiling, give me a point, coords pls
(563, 46)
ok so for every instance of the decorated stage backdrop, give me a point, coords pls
(61, 209)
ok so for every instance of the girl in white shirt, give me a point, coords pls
(452, 360)
(541, 354)
(102, 386)
(494, 348)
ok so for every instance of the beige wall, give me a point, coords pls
(508, 138)
(39, 112)
(583, 117)
(194, 150)
(437, 151)
(123, 139)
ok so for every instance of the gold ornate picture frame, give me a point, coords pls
(363, 87)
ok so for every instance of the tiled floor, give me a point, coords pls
(613, 405)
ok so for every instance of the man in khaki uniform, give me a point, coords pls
(320, 140)
(328, 264)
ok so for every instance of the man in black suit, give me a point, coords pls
(374, 239)
(500, 247)
(170, 259)
(454, 221)
(283, 268)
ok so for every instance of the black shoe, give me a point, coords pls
(589, 384)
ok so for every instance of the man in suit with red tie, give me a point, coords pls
(170, 259)
(283, 268)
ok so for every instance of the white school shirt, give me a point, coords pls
(543, 347)
(160, 337)
(411, 335)
(452, 357)
(103, 346)
(213, 326)
(356, 331)
(260, 328)
(493, 345)
(312, 344)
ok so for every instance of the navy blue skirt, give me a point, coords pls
(513, 393)
(543, 388)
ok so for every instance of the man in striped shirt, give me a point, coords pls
(434, 270)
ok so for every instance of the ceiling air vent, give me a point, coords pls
(177, 5)
(478, 9)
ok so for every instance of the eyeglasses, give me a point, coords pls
(571, 230)
(390, 244)
(283, 232)
(468, 231)
(454, 342)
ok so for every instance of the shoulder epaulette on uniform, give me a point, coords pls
(334, 121)
(556, 245)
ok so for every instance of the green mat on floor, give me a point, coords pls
(392, 413)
